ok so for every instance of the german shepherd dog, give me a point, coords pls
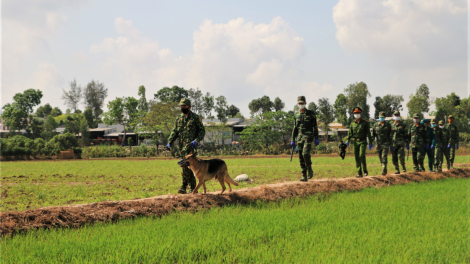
(205, 170)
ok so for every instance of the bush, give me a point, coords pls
(17, 146)
(60, 143)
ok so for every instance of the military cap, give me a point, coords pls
(451, 116)
(185, 101)
(441, 122)
(357, 109)
(416, 116)
(381, 114)
(301, 99)
(433, 121)
(396, 113)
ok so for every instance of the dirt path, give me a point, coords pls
(78, 215)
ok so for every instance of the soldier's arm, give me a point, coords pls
(348, 137)
(315, 127)
(174, 134)
(201, 130)
(295, 131)
(368, 134)
(375, 136)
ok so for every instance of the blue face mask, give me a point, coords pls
(382, 118)
(433, 125)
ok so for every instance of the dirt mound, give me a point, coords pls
(78, 215)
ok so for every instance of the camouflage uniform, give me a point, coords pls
(382, 135)
(187, 129)
(445, 142)
(305, 131)
(358, 134)
(399, 139)
(438, 145)
(453, 142)
(430, 152)
(418, 143)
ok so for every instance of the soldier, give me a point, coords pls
(381, 132)
(359, 132)
(453, 141)
(418, 143)
(437, 144)
(399, 140)
(342, 149)
(305, 131)
(189, 129)
(445, 142)
(430, 136)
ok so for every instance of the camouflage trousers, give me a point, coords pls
(438, 157)
(451, 153)
(360, 149)
(187, 174)
(418, 157)
(398, 153)
(382, 151)
(304, 145)
(430, 153)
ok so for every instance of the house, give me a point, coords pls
(216, 133)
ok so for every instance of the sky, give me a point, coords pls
(242, 50)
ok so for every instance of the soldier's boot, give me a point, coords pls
(451, 165)
(384, 171)
(366, 173)
(304, 176)
(403, 167)
(448, 165)
(182, 189)
(439, 170)
(310, 172)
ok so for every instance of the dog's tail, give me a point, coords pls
(228, 179)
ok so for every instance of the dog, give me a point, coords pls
(205, 170)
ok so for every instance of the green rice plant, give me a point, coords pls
(415, 223)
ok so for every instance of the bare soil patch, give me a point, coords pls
(12, 223)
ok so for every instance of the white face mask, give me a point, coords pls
(441, 126)
(302, 106)
(396, 118)
(357, 116)
(415, 120)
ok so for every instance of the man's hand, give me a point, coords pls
(347, 144)
(193, 144)
(168, 147)
(317, 142)
(457, 146)
(448, 146)
(292, 144)
(407, 147)
(391, 149)
(370, 146)
(432, 146)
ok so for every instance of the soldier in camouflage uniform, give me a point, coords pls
(418, 143)
(436, 145)
(359, 132)
(445, 142)
(381, 132)
(305, 131)
(189, 129)
(453, 143)
(399, 138)
(430, 135)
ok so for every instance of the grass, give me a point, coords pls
(415, 223)
(29, 185)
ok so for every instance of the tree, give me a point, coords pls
(159, 121)
(260, 106)
(72, 97)
(196, 97)
(89, 118)
(340, 107)
(173, 94)
(94, 95)
(143, 104)
(57, 112)
(122, 111)
(232, 111)
(446, 105)
(326, 114)
(35, 127)
(312, 106)
(221, 108)
(278, 104)
(44, 110)
(85, 132)
(49, 128)
(207, 104)
(388, 104)
(356, 95)
(419, 102)
(16, 114)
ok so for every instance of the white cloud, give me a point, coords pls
(404, 33)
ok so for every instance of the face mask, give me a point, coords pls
(357, 116)
(302, 106)
(433, 125)
(396, 118)
(382, 119)
(415, 120)
(441, 126)
(185, 110)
